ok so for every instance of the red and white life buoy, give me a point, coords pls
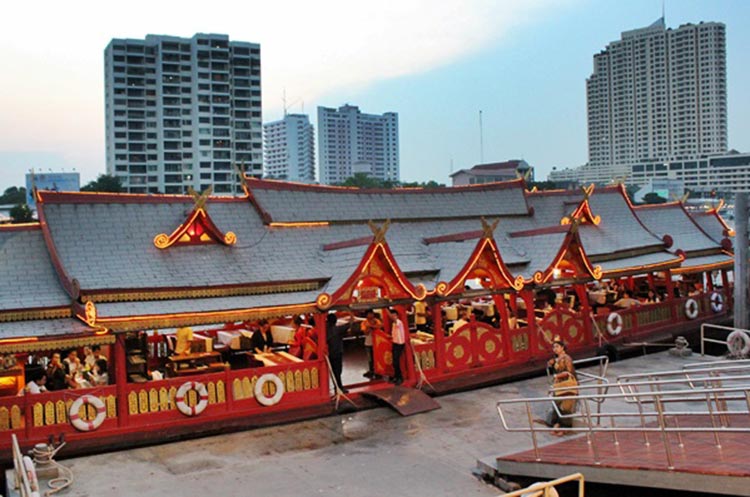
(738, 344)
(82, 424)
(691, 308)
(717, 302)
(261, 396)
(614, 324)
(181, 398)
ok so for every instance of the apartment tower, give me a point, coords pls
(289, 149)
(180, 112)
(353, 142)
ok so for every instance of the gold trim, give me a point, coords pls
(58, 313)
(68, 343)
(192, 293)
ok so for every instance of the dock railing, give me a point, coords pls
(697, 402)
(547, 488)
(729, 329)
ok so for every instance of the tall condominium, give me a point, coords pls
(351, 142)
(181, 111)
(655, 95)
(289, 149)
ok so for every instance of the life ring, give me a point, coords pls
(261, 396)
(180, 398)
(82, 424)
(691, 308)
(717, 302)
(738, 343)
(614, 323)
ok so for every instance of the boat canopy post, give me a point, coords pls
(740, 261)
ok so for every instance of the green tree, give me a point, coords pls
(21, 214)
(13, 195)
(104, 183)
(542, 185)
(653, 198)
(364, 180)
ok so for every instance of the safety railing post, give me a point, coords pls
(533, 431)
(663, 428)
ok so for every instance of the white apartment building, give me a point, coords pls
(350, 141)
(181, 111)
(722, 173)
(657, 94)
(289, 149)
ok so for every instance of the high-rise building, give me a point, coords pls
(657, 95)
(352, 142)
(289, 149)
(181, 111)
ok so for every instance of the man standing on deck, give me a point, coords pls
(398, 336)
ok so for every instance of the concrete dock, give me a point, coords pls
(369, 453)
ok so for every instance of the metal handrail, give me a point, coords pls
(21, 482)
(542, 487)
(705, 340)
(717, 409)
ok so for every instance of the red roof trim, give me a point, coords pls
(456, 237)
(20, 227)
(126, 198)
(561, 228)
(266, 184)
(356, 242)
(65, 280)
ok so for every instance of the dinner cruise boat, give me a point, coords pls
(161, 298)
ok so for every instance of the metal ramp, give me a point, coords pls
(406, 401)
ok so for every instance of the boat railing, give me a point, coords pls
(547, 488)
(728, 329)
(661, 411)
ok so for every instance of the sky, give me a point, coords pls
(522, 63)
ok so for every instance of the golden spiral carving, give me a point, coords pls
(161, 241)
(230, 238)
(323, 301)
(538, 277)
(597, 220)
(90, 313)
(441, 288)
(597, 272)
(564, 221)
(518, 283)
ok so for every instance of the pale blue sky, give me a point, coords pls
(523, 63)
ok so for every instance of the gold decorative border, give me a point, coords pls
(29, 315)
(68, 343)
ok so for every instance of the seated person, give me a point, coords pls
(626, 302)
(420, 316)
(298, 338)
(696, 290)
(98, 375)
(652, 298)
(463, 319)
(56, 379)
(184, 337)
(262, 338)
(35, 386)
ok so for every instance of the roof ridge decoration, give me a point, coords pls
(377, 278)
(583, 212)
(197, 229)
(485, 262)
(571, 258)
(714, 211)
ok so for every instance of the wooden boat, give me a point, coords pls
(124, 272)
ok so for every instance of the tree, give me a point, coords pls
(13, 195)
(653, 198)
(104, 183)
(364, 180)
(21, 214)
(542, 185)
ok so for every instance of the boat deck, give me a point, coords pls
(699, 465)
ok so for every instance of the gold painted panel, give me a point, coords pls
(211, 390)
(314, 378)
(62, 411)
(38, 411)
(143, 401)
(163, 399)
(221, 395)
(110, 404)
(248, 386)
(172, 396)
(16, 418)
(132, 403)
(289, 385)
(306, 383)
(298, 381)
(237, 389)
(153, 400)
(191, 398)
(4, 418)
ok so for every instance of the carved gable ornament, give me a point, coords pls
(197, 229)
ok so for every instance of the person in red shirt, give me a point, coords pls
(398, 336)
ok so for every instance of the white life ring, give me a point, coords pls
(691, 308)
(30, 469)
(258, 390)
(82, 424)
(738, 343)
(614, 323)
(717, 302)
(180, 398)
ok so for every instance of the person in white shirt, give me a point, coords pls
(35, 386)
(398, 336)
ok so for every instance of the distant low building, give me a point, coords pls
(51, 181)
(667, 189)
(492, 172)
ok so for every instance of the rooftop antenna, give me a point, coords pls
(481, 140)
(663, 9)
(287, 105)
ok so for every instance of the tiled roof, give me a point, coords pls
(697, 262)
(27, 277)
(290, 203)
(43, 328)
(710, 224)
(671, 219)
(640, 263)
